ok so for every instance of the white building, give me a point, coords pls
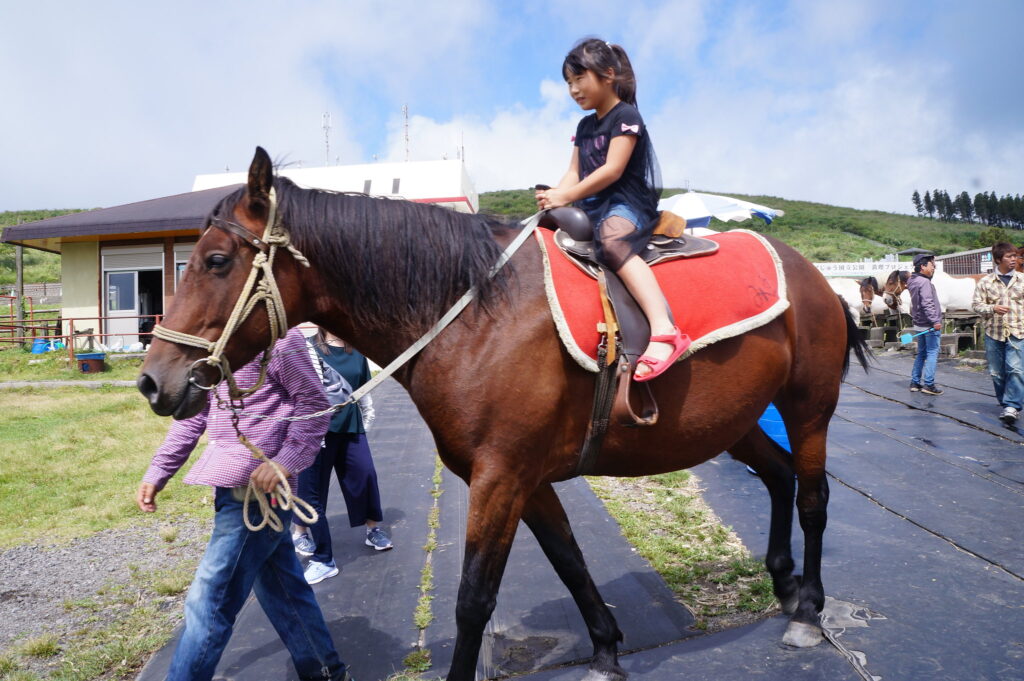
(441, 182)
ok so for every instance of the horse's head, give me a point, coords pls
(868, 290)
(176, 372)
(895, 285)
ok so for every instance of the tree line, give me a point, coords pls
(985, 208)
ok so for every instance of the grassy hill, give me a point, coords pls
(821, 232)
(40, 267)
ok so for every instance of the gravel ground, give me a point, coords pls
(38, 583)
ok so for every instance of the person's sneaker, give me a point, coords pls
(304, 545)
(931, 389)
(915, 387)
(317, 572)
(1009, 416)
(378, 540)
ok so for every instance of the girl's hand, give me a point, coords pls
(552, 198)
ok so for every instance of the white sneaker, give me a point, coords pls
(1009, 416)
(318, 572)
(304, 545)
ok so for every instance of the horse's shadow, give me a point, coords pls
(367, 651)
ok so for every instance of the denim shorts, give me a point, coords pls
(622, 210)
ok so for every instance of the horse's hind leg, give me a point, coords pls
(547, 520)
(804, 629)
(775, 468)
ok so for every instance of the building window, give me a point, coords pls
(394, 185)
(366, 187)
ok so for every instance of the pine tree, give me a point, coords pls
(965, 207)
(981, 207)
(929, 205)
(994, 218)
(916, 200)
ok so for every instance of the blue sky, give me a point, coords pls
(850, 103)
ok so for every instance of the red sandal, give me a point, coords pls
(680, 342)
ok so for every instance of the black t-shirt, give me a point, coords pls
(636, 186)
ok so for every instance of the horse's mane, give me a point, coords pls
(903, 275)
(401, 264)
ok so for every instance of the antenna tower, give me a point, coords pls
(325, 121)
(405, 128)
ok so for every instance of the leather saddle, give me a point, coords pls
(625, 329)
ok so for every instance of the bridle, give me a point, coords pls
(260, 287)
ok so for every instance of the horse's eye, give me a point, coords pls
(216, 261)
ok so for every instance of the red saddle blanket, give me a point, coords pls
(714, 297)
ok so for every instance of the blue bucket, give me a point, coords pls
(772, 425)
(39, 346)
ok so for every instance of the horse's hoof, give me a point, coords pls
(618, 675)
(800, 635)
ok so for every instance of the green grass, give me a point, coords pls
(822, 233)
(17, 364)
(45, 645)
(73, 458)
(665, 519)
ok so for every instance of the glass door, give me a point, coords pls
(122, 309)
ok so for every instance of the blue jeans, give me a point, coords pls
(347, 455)
(927, 358)
(237, 562)
(1006, 366)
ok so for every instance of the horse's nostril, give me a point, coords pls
(146, 386)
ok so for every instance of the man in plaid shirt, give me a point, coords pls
(238, 561)
(999, 299)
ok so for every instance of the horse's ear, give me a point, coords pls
(261, 174)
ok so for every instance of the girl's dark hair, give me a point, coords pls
(594, 54)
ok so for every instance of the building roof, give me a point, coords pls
(170, 215)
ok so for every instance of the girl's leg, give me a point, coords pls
(639, 279)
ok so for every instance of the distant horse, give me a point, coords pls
(894, 292)
(507, 405)
(870, 293)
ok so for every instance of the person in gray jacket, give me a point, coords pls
(927, 316)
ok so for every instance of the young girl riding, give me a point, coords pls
(612, 177)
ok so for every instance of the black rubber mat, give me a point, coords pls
(923, 559)
(369, 606)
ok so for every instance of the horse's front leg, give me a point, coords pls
(496, 502)
(546, 518)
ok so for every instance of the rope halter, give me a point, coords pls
(260, 287)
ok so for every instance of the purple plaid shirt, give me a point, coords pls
(292, 388)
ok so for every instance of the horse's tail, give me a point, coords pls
(854, 340)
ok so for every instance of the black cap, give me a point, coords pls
(921, 258)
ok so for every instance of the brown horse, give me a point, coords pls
(895, 285)
(507, 406)
(868, 290)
